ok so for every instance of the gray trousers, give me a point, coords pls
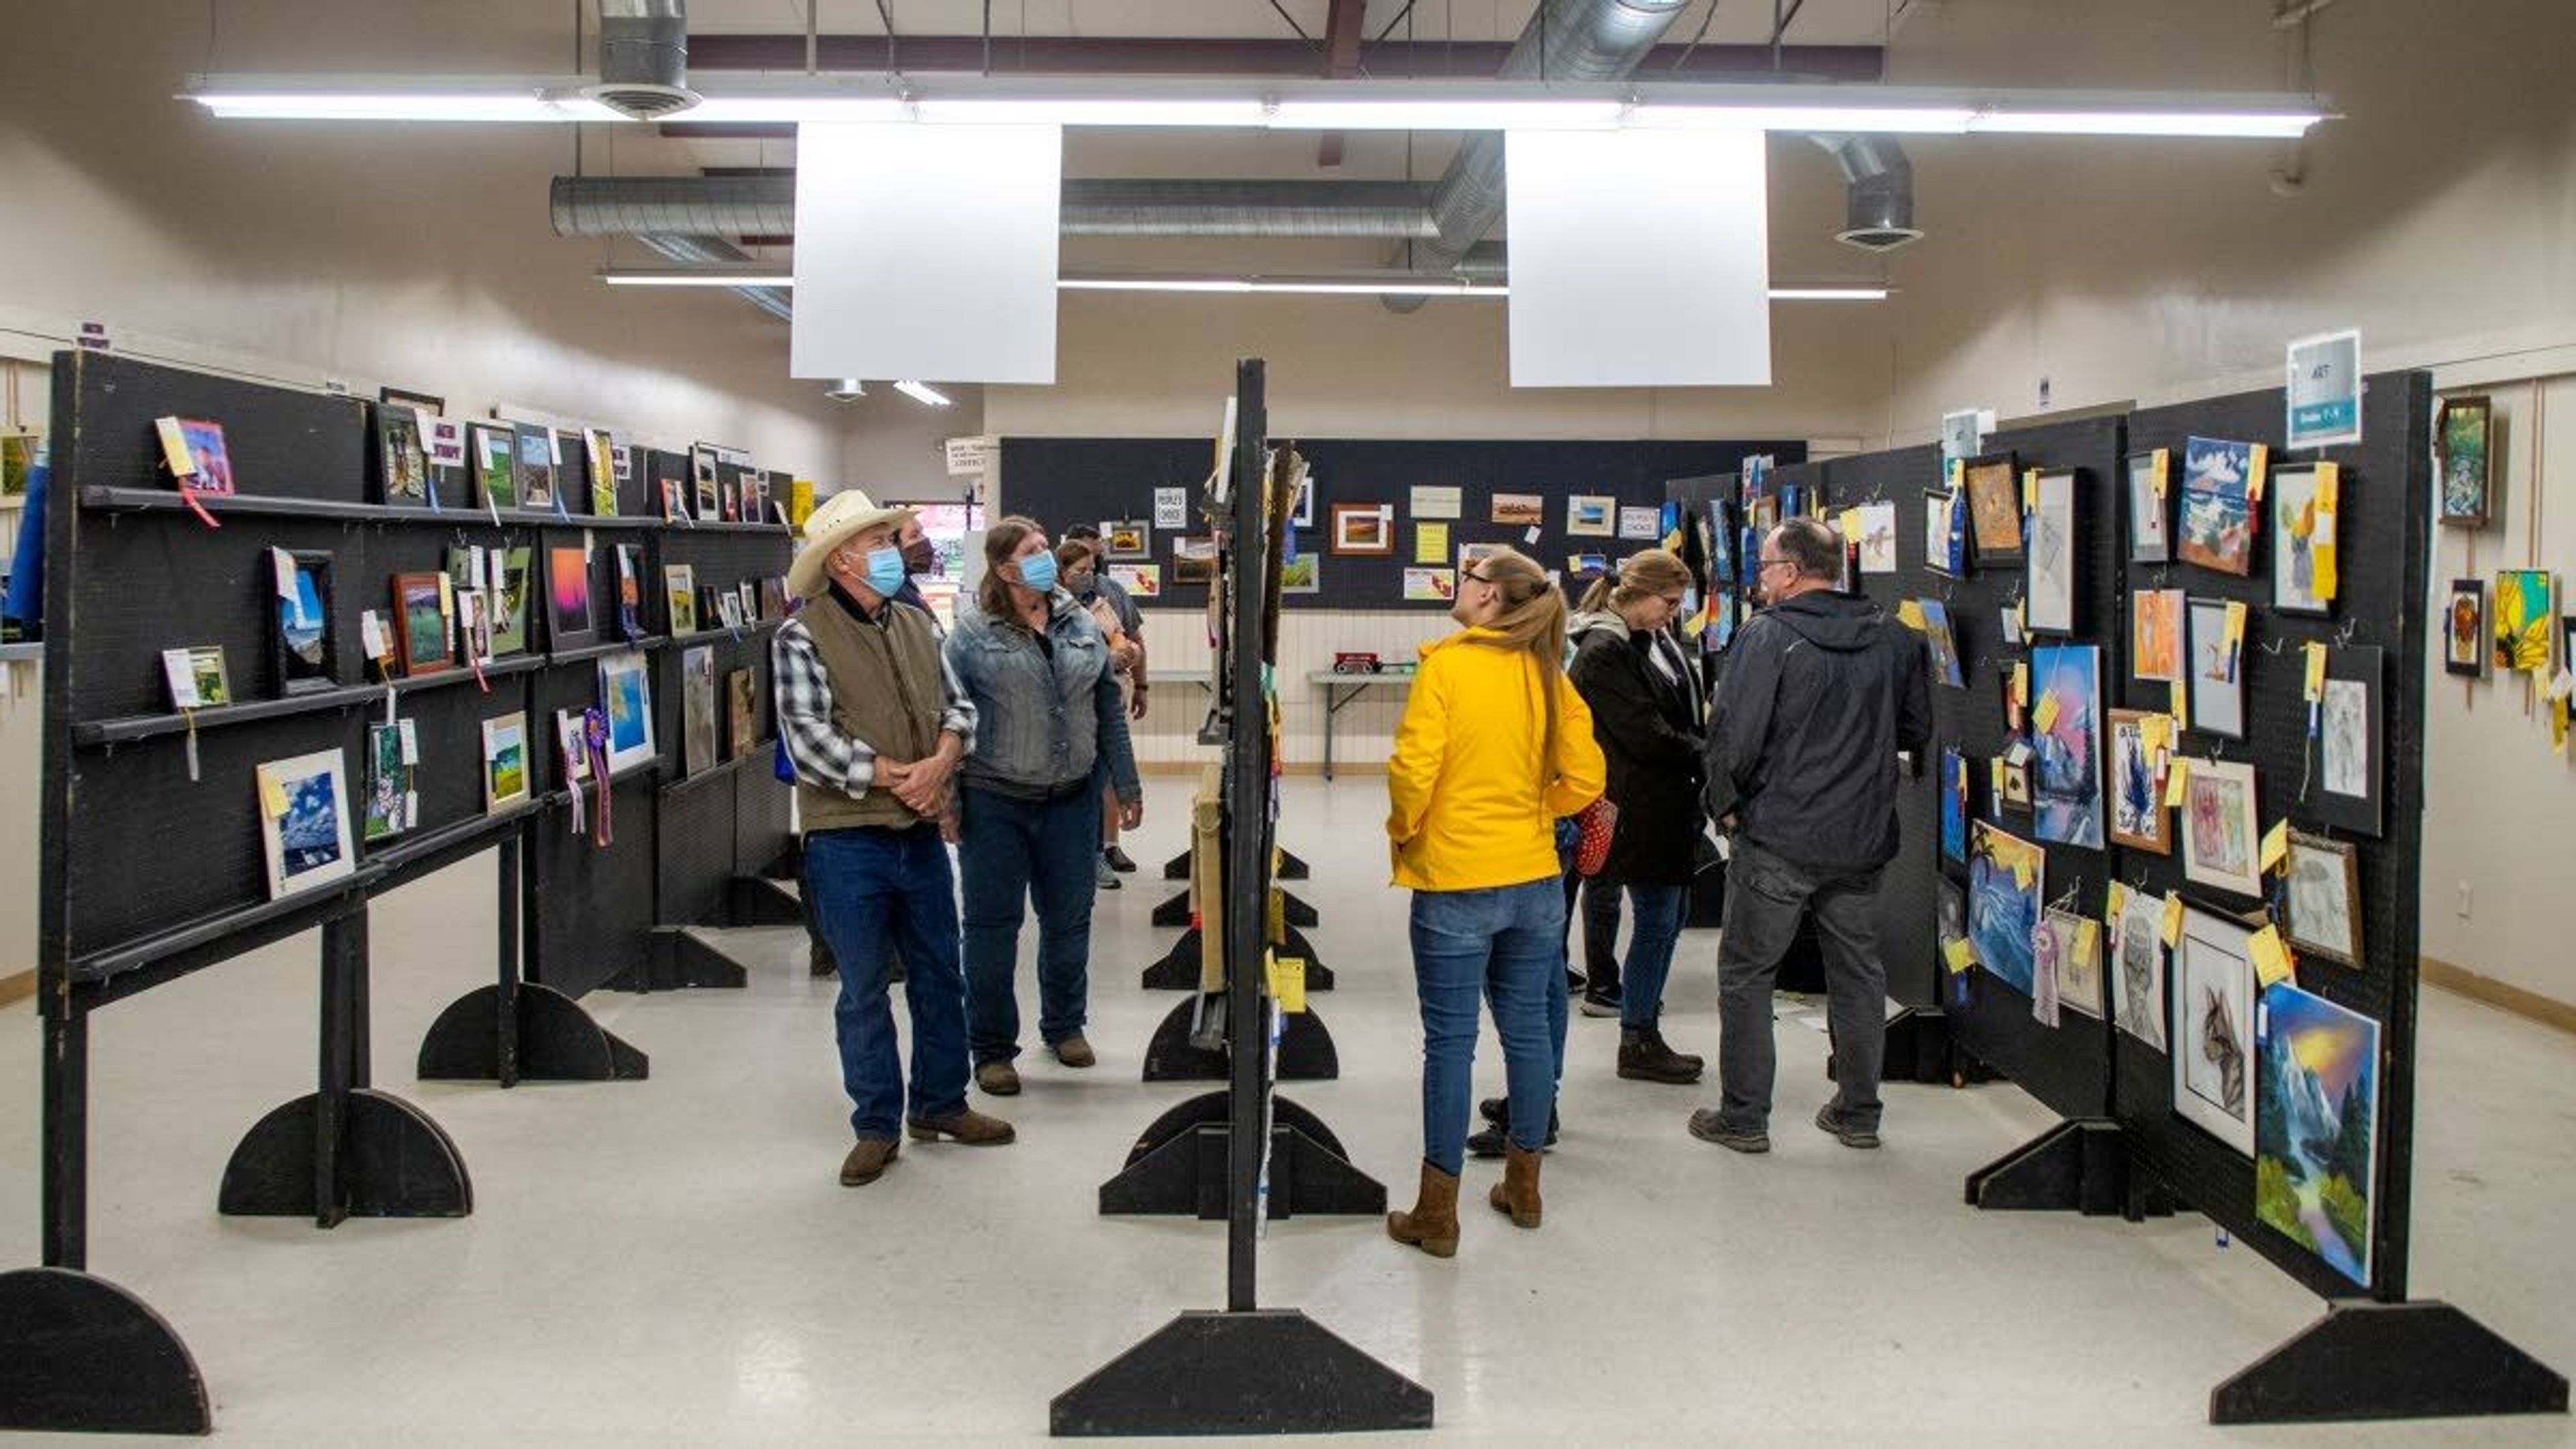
(1766, 897)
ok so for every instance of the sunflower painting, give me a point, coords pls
(2523, 616)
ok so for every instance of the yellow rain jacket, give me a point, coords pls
(1467, 809)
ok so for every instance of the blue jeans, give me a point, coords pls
(1504, 942)
(873, 888)
(1013, 851)
(1658, 929)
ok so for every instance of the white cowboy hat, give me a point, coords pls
(841, 516)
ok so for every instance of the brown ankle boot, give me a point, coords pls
(1432, 1226)
(1517, 1193)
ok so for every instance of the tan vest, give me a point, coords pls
(887, 689)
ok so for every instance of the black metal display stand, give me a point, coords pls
(1245, 1370)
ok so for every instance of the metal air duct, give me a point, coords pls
(701, 250)
(644, 58)
(1878, 196)
(766, 206)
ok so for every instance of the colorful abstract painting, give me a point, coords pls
(2005, 876)
(2156, 634)
(2316, 1144)
(2524, 616)
(2138, 816)
(2066, 741)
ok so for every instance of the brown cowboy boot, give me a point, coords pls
(1517, 1193)
(1432, 1226)
(969, 1126)
(868, 1160)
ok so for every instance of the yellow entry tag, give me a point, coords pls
(2153, 731)
(2046, 715)
(2162, 465)
(2316, 688)
(1851, 525)
(2021, 618)
(2272, 964)
(2021, 686)
(2174, 783)
(2029, 489)
(1288, 981)
(1996, 768)
(2329, 486)
(2236, 617)
(2255, 473)
(272, 796)
(2173, 920)
(1910, 614)
(2558, 725)
(1958, 955)
(2276, 845)
(2088, 939)
(447, 595)
(2117, 905)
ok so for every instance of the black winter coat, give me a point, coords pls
(1648, 727)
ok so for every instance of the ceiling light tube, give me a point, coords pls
(1463, 114)
(2283, 126)
(923, 393)
(696, 277)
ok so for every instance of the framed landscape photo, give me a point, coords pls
(2463, 436)
(570, 624)
(1363, 529)
(300, 619)
(510, 609)
(2212, 1027)
(2323, 898)
(402, 461)
(494, 451)
(742, 700)
(1518, 510)
(1194, 561)
(1994, 509)
(2150, 481)
(2049, 605)
(2221, 830)
(1592, 515)
(507, 781)
(1301, 573)
(626, 696)
(536, 465)
(197, 677)
(599, 459)
(1127, 538)
(2316, 1136)
(304, 822)
(421, 633)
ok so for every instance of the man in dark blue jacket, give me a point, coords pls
(1820, 693)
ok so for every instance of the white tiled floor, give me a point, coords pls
(671, 1261)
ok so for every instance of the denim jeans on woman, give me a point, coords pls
(1658, 911)
(873, 887)
(1011, 851)
(1502, 943)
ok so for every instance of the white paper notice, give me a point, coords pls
(1430, 501)
(371, 634)
(284, 566)
(1171, 508)
(1531, 538)
(410, 743)
(1639, 522)
(183, 679)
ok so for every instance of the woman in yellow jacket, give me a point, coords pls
(1495, 745)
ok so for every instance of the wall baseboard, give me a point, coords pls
(2503, 996)
(17, 986)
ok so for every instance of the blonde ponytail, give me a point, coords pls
(1532, 619)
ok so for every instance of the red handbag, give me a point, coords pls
(1598, 821)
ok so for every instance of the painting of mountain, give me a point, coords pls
(2316, 1127)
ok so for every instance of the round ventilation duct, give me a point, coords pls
(643, 58)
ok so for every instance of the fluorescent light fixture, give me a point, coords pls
(1731, 116)
(1397, 284)
(2280, 126)
(789, 110)
(697, 277)
(1461, 114)
(501, 99)
(1215, 113)
(923, 393)
(1828, 294)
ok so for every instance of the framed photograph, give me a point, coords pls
(2222, 833)
(424, 641)
(680, 590)
(728, 498)
(1519, 510)
(710, 507)
(507, 779)
(2067, 772)
(2301, 525)
(2464, 631)
(2006, 877)
(2351, 748)
(2139, 820)
(630, 589)
(2212, 1027)
(599, 460)
(494, 449)
(2150, 480)
(402, 460)
(536, 465)
(1950, 913)
(626, 695)
(510, 607)
(300, 622)
(2316, 1138)
(1877, 538)
(773, 598)
(1303, 515)
(2156, 624)
(2525, 621)
(2217, 683)
(1943, 644)
(2138, 968)
(675, 501)
(2323, 898)
(698, 709)
(2074, 962)
(1994, 508)
(304, 822)
(1943, 540)
(1127, 538)
(393, 806)
(2049, 605)
(197, 677)
(570, 624)
(742, 700)
(2217, 512)
(194, 451)
(1592, 515)
(1366, 529)
(1954, 806)
(473, 626)
(1301, 573)
(746, 598)
(1193, 562)
(2463, 436)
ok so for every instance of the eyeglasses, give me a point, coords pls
(1474, 577)
(1772, 563)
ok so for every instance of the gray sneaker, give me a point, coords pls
(1847, 1136)
(1102, 874)
(1708, 1127)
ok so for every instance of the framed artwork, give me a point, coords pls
(1943, 644)
(2150, 478)
(1793, 500)
(2525, 620)
(2303, 535)
(2323, 898)
(746, 599)
(1994, 508)
(1954, 806)
(626, 694)
(1303, 515)
(2049, 604)
(2217, 686)
(675, 501)
(1194, 561)
(402, 462)
(393, 806)
(2316, 1133)
(404, 397)
(2067, 752)
(2345, 791)
(1519, 510)
(1877, 538)
(1430, 585)
(742, 700)
(773, 598)
(1127, 538)
(1591, 515)
(2075, 956)
(1941, 538)
(1300, 573)
(2217, 512)
(728, 499)
(506, 779)
(719, 608)
(2138, 968)
(710, 507)
(300, 621)
(1720, 531)
(599, 455)
(2464, 632)
(2005, 878)
(2463, 438)
(473, 626)
(2016, 786)
(420, 624)
(569, 621)
(536, 465)
(630, 589)
(1364, 529)
(2156, 634)
(1950, 921)
(304, 822)
(1140, 580)
(495, 454)
(2221, 832)
(197, 677)
(698, 709)
(680, 591)
(510, 609)
(2009, 624)
(194, 451)
(2212, 1027)
(2138, 817)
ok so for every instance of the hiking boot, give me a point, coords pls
(1517, 1193)
(1118, 860)
(1101, 875)
(868, 1160)
(999, 1078)
(1432, 1226)
(1827, 1122)
(1707, 1127)
(1073, 1051)
(968, 1126)
(1601, 1003)
(1494, 1140)
(1643, 1057)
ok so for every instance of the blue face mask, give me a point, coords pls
(885, 570)
(1037, 571)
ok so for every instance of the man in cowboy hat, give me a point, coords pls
(875, 725)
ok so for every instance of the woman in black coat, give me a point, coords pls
(1646, 713)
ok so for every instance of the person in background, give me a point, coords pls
(1494, 747)
(1098, 588)
(875, 724)
(1821, 692)
(1646, 714)
(1047, 712)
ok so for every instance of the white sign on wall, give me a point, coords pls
(969, 457)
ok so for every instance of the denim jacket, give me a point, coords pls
(1042, 727)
